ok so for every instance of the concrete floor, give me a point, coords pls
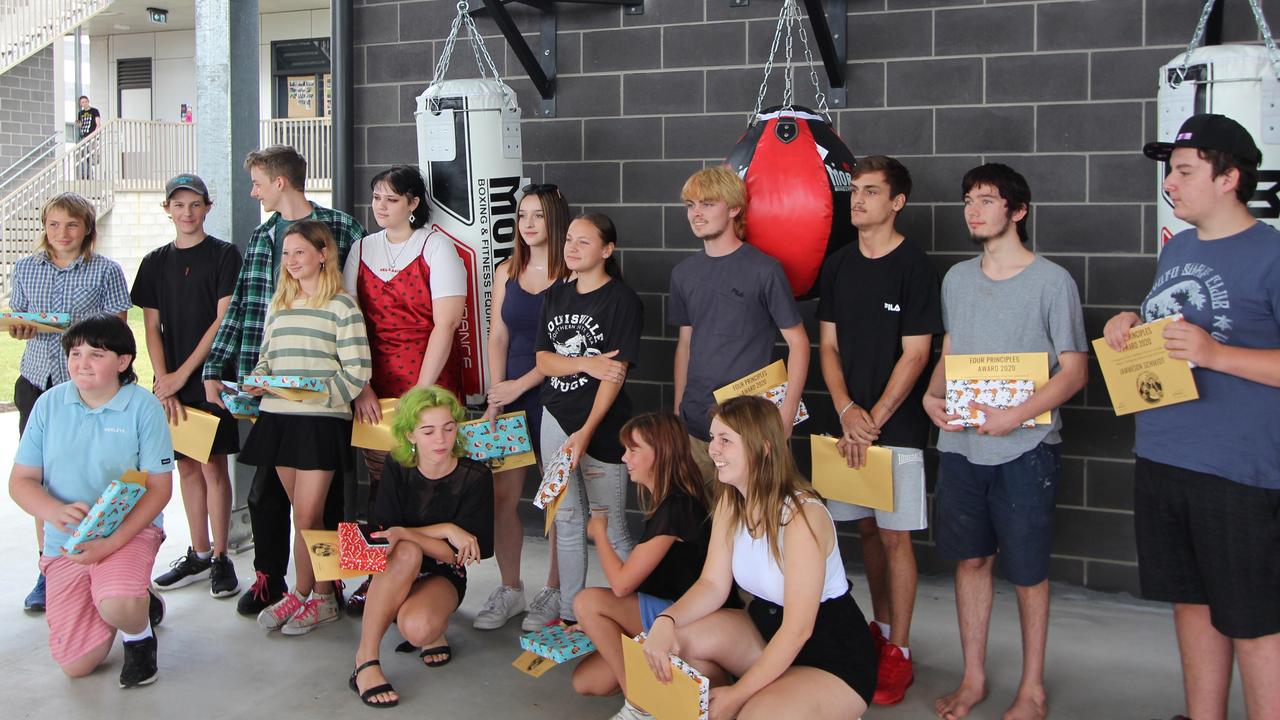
(1109, 657)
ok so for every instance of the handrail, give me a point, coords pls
(121, 155)
(312, 138)
(29, 26)
(34, 156)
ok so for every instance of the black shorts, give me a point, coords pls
(455, 574)
(1206, 540)
(840, 644)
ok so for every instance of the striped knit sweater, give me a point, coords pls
(329, 343)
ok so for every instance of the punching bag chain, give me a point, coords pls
(1263, 28)
(789, 20)
(483, 60)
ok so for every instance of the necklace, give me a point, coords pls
(393, 262)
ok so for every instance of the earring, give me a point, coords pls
(322, 265)
(411, 218)
(414, 457)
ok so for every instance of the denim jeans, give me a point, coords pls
(594, 484)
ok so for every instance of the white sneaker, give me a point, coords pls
(504, 603)
(631, 712)
(317, 610)
(543, 610)
(274, 616)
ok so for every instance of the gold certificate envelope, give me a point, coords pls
(193, 437)
(869, 486)
(1143, 376)
(681, 699)
(376, 437)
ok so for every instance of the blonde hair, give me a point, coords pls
(774, 485)
(79, 208)
(719, 184)
(288, 289)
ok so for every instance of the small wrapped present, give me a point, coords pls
(294, 382)
(554, 481)
(993, 393)
(778, 395)
(511, 437)
(358, 551)
(41, 321)
(240, 404)
(557, 643)
(107, 512)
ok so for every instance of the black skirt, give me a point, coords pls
(304, 442)
(840, 644)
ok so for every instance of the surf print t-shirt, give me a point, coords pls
(1231, 288)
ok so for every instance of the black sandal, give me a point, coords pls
(437, 650)
(376, 690)
(406, 647)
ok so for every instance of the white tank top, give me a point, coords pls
(756, 572)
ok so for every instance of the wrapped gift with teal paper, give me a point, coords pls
(557, 643)
(483, 442)
(106, 514)
(54, 319)
(288, 382)
(239, 404)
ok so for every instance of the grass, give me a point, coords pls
(11, 357)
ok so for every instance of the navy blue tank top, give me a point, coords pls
(521, 311)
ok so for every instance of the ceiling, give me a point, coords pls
(130, 16)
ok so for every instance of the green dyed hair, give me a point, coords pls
(412, 404)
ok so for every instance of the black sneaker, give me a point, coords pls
(265, 591)
(184, 571)
(222, 578)
(139, 663)
(155, 610)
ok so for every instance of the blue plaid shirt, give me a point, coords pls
(88, 286)
(239, 338)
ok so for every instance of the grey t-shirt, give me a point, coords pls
(735, 304)
(1037, 310)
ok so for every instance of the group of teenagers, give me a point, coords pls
(737, 568)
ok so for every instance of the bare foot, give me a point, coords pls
(372, 677)
(959, 703)
(1028, 705)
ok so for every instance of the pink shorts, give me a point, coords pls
(73, 592)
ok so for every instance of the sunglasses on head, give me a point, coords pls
(540, 188)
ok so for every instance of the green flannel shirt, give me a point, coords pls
(240, 334)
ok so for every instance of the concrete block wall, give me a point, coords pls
(26, 106)
(1062, 90)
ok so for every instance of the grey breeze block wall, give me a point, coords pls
(1062, 91)
(26, 106)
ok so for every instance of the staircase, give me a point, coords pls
(27, 26)
(123, 155)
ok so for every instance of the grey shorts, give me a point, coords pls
(910, 509)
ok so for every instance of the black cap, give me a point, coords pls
(1209, 132)
(186, 181)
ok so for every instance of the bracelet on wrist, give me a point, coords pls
(665, 615)
(845, 410)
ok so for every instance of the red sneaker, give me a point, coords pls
(878, 637)
(895, 676)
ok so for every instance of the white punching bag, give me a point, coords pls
(469, 152)
(1233, 80)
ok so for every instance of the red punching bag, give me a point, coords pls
(798, 172)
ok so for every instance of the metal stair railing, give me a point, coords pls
(28, 26)
(123, 155)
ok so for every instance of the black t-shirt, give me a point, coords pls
(185, 285)
(87, 121)
(575, 325)
(874, 304)
(683, 518)
(464, 497)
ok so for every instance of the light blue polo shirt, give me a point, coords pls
(81, 450)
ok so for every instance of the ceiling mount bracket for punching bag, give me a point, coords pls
(541, 65)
